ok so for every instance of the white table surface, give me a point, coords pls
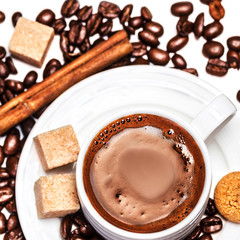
(229, 84)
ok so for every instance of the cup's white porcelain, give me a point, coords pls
(205, 124)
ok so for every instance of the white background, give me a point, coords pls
(230, 84)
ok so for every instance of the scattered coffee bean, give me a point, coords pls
(9, 94)
(3, 173)
(59, 25)
(154, 27)
(205, 237)
(146, 14)
(238, 95)
(211, 224)
(85, 46)
(27, 125)
(30, 79)
(4, 71)
(176, 43)
(47, 17)
(14, 234)
(178, 61)
(140, 49)
(181, 9)
(12, 222)
(15, 18)
(66, 226)
(69, 8)
(6, 193)
(11, 143)
(2, 52)
(51, 67)
(233, 59)
(213, 49)
(11, 165)
(3, 223)
(108, 9)
(105, 28)
(216, 10)
(2, 16)
(2, 157)
(192, 71)
(77, 34)
(184, 27)
(125, 14)
(84, 14)
(211, 208)
(199, 25)
(11, 206)
(233, 43)
(206, 1)
(130, 30)
(11, 183)
(11, 65)
(93, 23)
(14, 86)
(195, 234)
(136, 22)
(212, 30)
(148, 38)
(158, 56)
(217, 67)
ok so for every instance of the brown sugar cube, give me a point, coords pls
(56, 195)
(31, 41)
(57, 147)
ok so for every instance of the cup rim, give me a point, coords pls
(104, 224)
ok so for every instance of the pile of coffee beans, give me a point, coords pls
(79, 29)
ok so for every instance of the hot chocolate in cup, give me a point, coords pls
(145, 173)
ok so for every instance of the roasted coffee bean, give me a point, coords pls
(2, 52)
(106, 27)
(2, 86)
(11, 183)
(14, 86)
(184, 27)
(46, 16)
(233, 59)
(30, 79)
(3, 99)
(84, 13)
(192, 71)
(206, 1)
(11, 165)
(213, 49)
(97, 41)
(199, 25)
(129, 29)
(15, 18)
(65, 227)
(136, 22)
(4, 70)
(11, 206)
(108, 9)
(52, 66)
(64, 42)
(146, 14)
(3, 173)
(14, 234)
(93, 23)
(216, 10)
(2, 157)
(11, 144)
(69, 8)
(154, 27)
(205, 237)
(211, 224)
(194, 234)
(59, 25)
(176, 43)
(181, 9)
(12, 222)
(27, 125)
(4, 182)
(211, 208)
(140, 61)
(148, 38)
(212, 30)
(85, 46)
(233, 43)
(9, 94)
(86, 230)
(178, 61)
(238, 95)
(125, 14)
(2, 16)
(77, 34)
(3, 223)
(158, 56)
(139, 49)
(217, 67)
(11, 65)
(6, 193)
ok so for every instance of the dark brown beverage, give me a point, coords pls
(143, 173)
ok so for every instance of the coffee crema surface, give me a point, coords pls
(143, 173)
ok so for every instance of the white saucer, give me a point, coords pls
(106, 93)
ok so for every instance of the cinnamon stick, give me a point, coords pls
(95, 60)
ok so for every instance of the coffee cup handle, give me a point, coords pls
(213, 117)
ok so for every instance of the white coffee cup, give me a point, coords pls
(203, 128)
